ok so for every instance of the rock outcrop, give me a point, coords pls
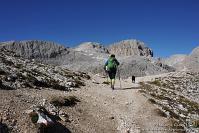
(16, 73)
(176, 94)
(129, 48)
(184, 62)
(34, 48)
(92, 47)
(192, 61)
(134, 56)
(176, 61)
(142, 66)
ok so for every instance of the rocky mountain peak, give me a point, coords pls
(195, 51)
(185, 62)
(129, 48)
(91, 47)
(34, 48)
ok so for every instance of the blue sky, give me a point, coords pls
(167, 26)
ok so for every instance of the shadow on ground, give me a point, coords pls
(127, 88)
(57, 128)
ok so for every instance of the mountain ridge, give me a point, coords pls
(136, 58)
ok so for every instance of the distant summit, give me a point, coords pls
(34, 48)
(135, 57)
(175, 60)
(129, 48)
(192, 61)
(185, 62)
(92, 47)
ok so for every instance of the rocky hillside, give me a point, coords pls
(129, 48)
(142, 66)
(192, 61)
(175, 60)
(90, 56)
(16, 72)
(176, 94)
(24, 83)
(184, 62)
(34, 49)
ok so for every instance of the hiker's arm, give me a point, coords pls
(117, 62)
(105, 65)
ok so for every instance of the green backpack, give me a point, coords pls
(112, 64)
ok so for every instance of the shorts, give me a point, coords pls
(112, 74)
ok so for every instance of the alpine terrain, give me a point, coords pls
(49, 88)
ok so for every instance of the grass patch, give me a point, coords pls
(34, 117)
(106, 82)
(2, 72)
(142, 91)
(141, 83)
(19, 66)
(191, 105)
(176, 126)
(160, 113)
(64, 101)
(156, 82)
(196, 123)
(152, 101)
(7, 62)
(171, 113)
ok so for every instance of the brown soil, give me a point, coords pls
(100, 110)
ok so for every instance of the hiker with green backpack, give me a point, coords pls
(111, 68)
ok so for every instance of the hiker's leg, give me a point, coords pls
(113, 78)
(108, 76)
(113, 82)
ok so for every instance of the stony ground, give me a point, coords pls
(177, 95)
(100, 109)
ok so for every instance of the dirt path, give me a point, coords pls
(123, 110)
(101, 110)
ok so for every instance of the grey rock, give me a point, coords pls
(135, 58)
(35, 75)
(184, 62)
(34, 48)
(92, 48)
(129, 48)
(175, 60)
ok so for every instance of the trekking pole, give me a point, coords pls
(119, 78)
(107, 76)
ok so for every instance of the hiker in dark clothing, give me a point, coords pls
(111, 68)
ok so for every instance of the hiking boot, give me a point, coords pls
(112, 87)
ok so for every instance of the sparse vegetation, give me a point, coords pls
(152, 100)
(34, 117)
(7, 62)
(196, 124)
(172, 94)
(106, 82)
(160, 113)
(64, 101)
(156, 82)
(19, 66)
(2, 72)
(191, 105)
